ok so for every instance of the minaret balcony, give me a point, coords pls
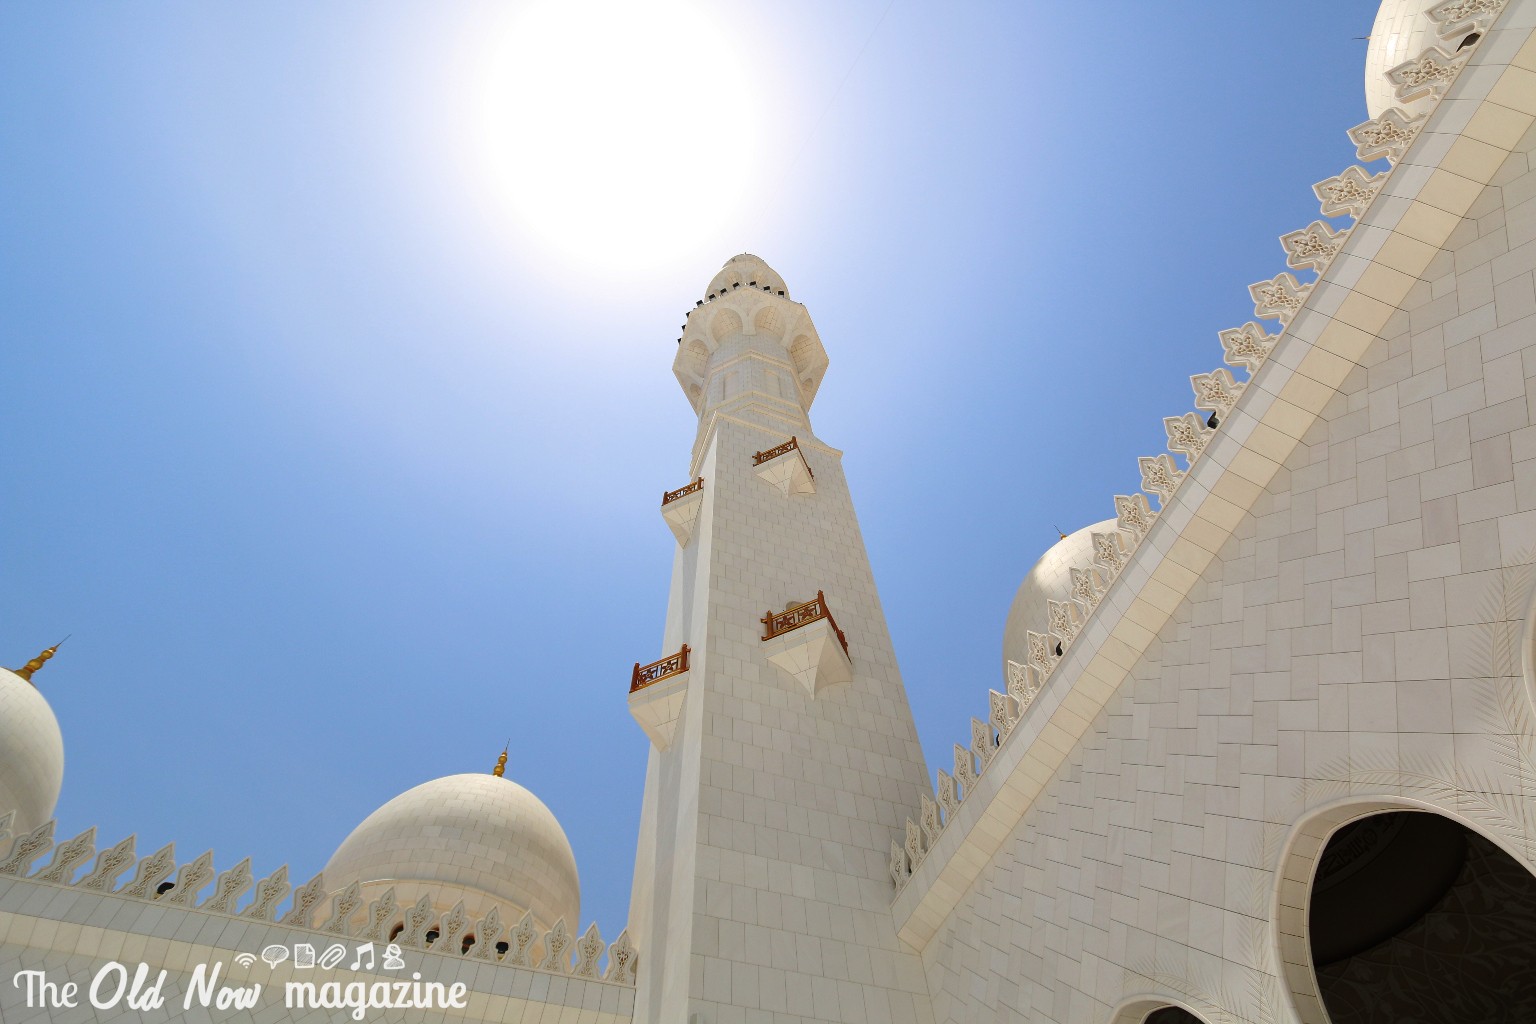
(680, 508)
(656, 693)
(785, 467)
(805, 645)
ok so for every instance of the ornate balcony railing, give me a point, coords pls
(793, 444)
(797, 615)
(667, 497)
(656, 671)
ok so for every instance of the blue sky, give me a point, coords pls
(337, 344)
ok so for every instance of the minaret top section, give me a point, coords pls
(747, 271)
(747, 343)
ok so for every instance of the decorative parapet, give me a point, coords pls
(1387, 136)
(1278, 299)
(1248, 347)
(667, 497)
(680, 509)
(419, 926)
(645, 675)
(656, 695)
(1427, 74)
(790, 475)
(802, 614)
(1348, 193)
(1313, 247)
(805, 644)
(1458, 17)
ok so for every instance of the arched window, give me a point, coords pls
(1413, 916)
(1172, 1015)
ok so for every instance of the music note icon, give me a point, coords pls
(366, 949)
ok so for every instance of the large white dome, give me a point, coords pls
(1402, 31)
(1049, 580)
(479, 838)
(31, 753)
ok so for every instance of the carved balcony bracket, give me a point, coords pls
(784, 467)
(805, 645)
(680, 508)
(656, 695)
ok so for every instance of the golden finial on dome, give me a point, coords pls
(36, 663)
(1059, 533)
(501, 762)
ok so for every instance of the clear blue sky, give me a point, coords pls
(337, 339)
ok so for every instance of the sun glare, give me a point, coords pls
(615, 127)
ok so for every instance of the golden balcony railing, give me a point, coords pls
(667, 497)
(797, 615)
(656, 671)
(793, 444)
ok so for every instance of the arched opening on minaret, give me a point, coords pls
(1172, 1015)
(1414, 916)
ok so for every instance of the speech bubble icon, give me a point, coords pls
(274, 954)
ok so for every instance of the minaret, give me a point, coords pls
(782, 768)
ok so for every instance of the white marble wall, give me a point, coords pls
(1359, 643)
(71, 934)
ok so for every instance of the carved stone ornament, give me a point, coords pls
(487, 933)
(68, 856)
(26, 849)
(555, 945)
(1133, 515)
(928, 820)
(1313, 247)
(190, 881)
(588, 948)
(520, 942)
(1247, 346)
(1160, 476)
(109, 865)
(153, 870)
(229, 888)
(1278, 299)
(343, 906)
(269, 893)
(1387, 136)
(1458, 17)
(622, 959)
(1187, 435)
(1428, 74)
(1216, 391)
(1349, 193)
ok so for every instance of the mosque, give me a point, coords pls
(1261, 748)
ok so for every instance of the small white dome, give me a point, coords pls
(1049, 580)
(747, 271)
(477, 838)
(31, 753)
(1401, 32)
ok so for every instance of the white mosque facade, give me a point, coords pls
(1262, 746)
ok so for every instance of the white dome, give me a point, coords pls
(477, 838)
(1401, 32)
(31, 753)
(1049, 580)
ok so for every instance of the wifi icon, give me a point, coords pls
(245, 959)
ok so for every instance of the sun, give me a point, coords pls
(618, 127)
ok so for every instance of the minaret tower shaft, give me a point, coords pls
(781, 769)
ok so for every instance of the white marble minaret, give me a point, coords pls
(780, 769)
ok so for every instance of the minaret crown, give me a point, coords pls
(747, 315)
